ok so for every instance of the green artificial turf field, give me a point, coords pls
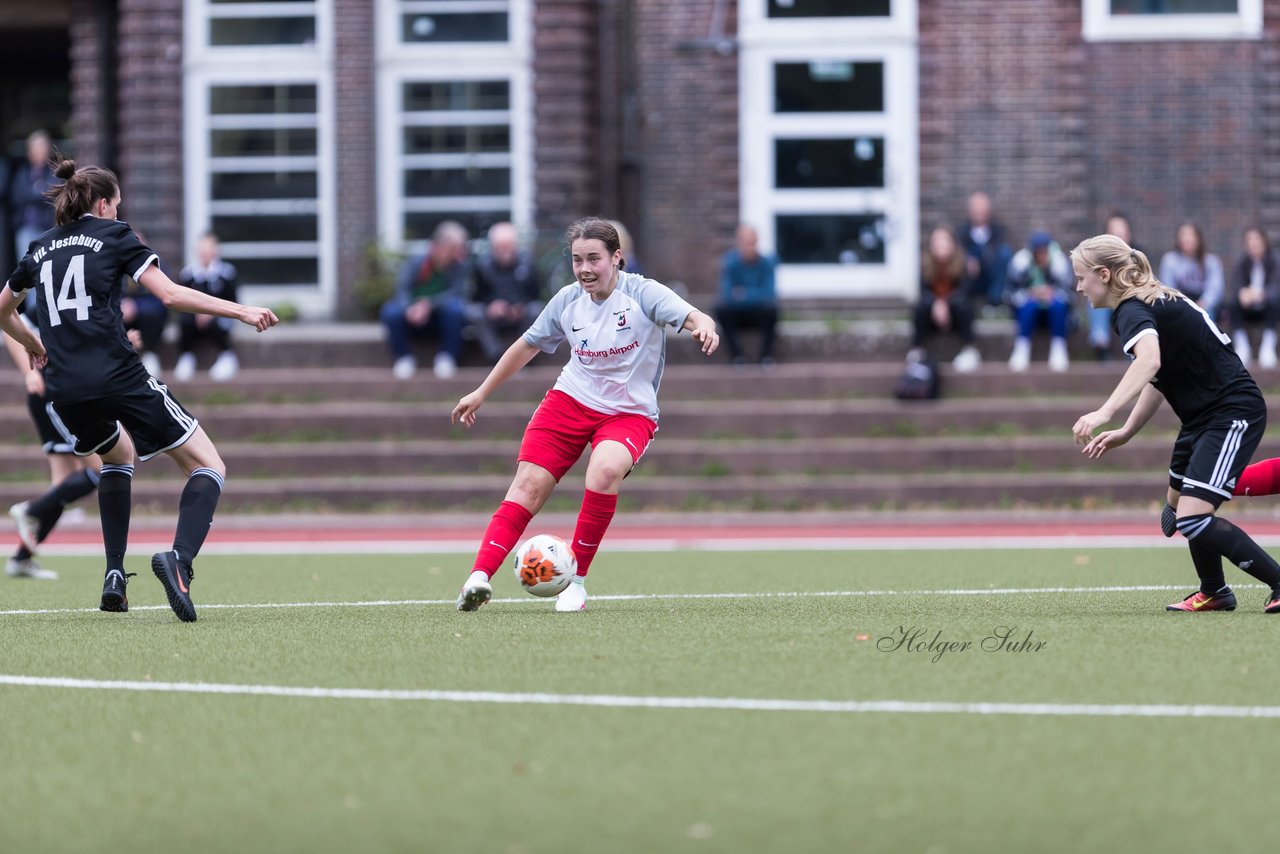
(602, 759)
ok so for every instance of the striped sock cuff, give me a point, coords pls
(123, 471)
(212, 475)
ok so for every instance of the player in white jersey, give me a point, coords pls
(606, 397)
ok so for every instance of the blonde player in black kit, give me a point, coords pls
(100, 397)
(1180, 355)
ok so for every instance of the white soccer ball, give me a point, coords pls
(545, 565)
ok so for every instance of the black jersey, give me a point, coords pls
(1200, 374)
(75, 271)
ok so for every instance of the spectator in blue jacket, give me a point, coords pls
(983, 240)
(1040, 284)
(430, 299)
(748, 296)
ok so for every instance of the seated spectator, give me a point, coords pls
(211, 275)
(1192, 269)
(944, 299)
(430, 299)
(1255, 298)
(628, 248)
(748, 296)
(507, 294)
(983, 241)
(1040, 284)
(144, 318)
(1100, 318)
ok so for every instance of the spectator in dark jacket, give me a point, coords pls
(983, 241)
(430, 298)
(30, 213)
(1255, 298)
(508, 292)
(211, 275)
(944, 299)
(748, 295)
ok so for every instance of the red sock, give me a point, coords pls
(593, 521)
(1261, 478)
(505, 528)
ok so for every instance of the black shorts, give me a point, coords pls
(155, 420)
(50, 439)
(1207, 461)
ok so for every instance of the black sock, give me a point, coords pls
(1208, 564)
(195, 513)
(71, 488)
(115, 500)
(1235, 545)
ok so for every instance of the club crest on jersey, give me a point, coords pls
(622, 319)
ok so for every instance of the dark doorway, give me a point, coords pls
(35, 94)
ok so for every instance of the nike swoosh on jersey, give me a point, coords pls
(579, 328)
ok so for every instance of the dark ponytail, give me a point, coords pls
(80, 190)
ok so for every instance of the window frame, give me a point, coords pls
(398, 62)
(1099, 25)
(316, 299)
(888, 41)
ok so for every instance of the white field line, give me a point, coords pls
(631, 597)
(640, 702)
(923, 542)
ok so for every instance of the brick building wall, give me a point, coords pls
(354, 105)
(149, 110)
(566, 95)
(683, 161)
(1060, 131)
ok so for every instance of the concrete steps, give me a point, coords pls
(307, 435)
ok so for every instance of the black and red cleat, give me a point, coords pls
(1223, 600)
(176, 578)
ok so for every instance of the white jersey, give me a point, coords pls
(617, 347)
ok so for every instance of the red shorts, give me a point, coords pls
(561, 427)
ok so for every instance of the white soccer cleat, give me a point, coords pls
(475, 592)
(574, 597)
(28, 526)
(28, 568)
(151, 362)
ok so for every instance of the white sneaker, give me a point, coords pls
(1240, 343)
(967, 360)
(185, 370)
(1021, 356)
(475, 592)
(28, 568)
(1267, 351)
(444, 366)
(573, 597)
(1059, 361)
(225, 367)
(404, 368)
(28, 526)
(151, 362)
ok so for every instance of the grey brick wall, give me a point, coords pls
(1058, 131)
(356, 212)
(149, 104)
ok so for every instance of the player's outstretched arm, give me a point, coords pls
(703, 328)
(180, 298)
(18, 331)
(517, 356)
(1137, 378)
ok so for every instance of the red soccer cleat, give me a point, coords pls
(1223, 600)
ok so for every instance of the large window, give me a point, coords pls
(259, 162)
(1157, 20)
(454, 116)
(829, 143)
